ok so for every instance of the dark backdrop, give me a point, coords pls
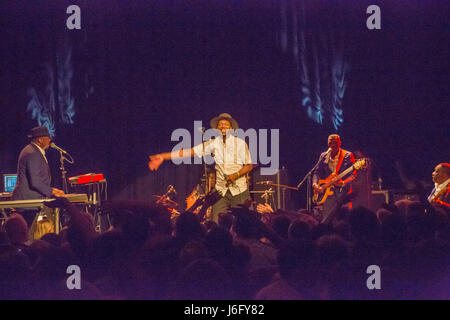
(144, 68)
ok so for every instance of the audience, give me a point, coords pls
(246, 255)
(17, 230)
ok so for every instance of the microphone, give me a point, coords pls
(325, 154)
(54, 146)
(228, 183)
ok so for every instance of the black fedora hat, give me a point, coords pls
(37, 132)
(224, 116)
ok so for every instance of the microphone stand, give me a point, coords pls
(63, 170)
(205, 171)
(308, 187)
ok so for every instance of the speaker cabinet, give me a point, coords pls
(261, 185)
(378, 198)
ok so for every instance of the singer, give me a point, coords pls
(33, 172)
(232, 162)
(332, 162)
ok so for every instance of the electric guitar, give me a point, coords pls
(328, 184)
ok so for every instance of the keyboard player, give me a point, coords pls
(33, 172)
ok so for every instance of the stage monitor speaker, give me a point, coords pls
(379, 197)
(279, 198)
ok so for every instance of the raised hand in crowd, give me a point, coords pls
(264, 208)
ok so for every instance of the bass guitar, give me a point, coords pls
(328, 184)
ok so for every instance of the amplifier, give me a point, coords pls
(279, 198)
(378, 198)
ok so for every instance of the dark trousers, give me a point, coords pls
(323, 212)
(226, 202)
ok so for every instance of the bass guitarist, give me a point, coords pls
(331, 163)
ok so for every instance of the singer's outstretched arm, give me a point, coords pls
(157, 159)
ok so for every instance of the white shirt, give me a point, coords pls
(438, 188)
(229, 158)
(41, 150)
(333, 162)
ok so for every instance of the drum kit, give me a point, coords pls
(165, 201)
(199, 199)
(196, 202)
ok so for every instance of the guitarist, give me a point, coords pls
(330, 164)
(441, 191)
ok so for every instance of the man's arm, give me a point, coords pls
(315, 176)
(245, 159)
(243, 171)
(353, 174)
(157, 159)
(34, 166)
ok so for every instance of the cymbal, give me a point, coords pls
(166, 202)
(266, 191)
(283, 186)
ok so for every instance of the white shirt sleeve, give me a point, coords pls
(198, 149)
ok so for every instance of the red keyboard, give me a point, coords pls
(86, 178)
